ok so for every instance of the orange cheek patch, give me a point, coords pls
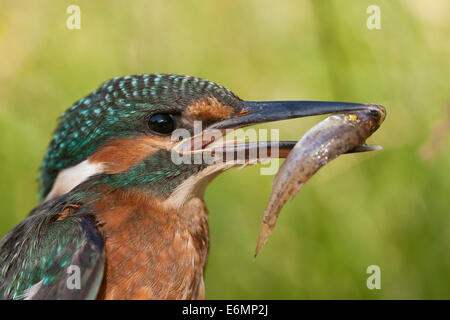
(120, 154)
(208, 109)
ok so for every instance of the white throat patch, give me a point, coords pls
(69, 178)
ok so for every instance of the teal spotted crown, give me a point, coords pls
(117, 109)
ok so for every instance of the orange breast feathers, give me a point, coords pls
(152, 253)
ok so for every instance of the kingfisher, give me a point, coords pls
(119, 218)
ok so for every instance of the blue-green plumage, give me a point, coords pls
(116, 109)
(156, 174)
(36, 255)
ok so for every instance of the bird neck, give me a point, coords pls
(145, 239)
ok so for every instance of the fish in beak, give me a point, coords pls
(256, 112)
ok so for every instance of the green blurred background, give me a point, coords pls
(389, 208)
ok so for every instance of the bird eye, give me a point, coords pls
(162, 123)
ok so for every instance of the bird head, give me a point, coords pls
(123, 133)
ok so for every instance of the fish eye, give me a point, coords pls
(162, 123)
(375, 113)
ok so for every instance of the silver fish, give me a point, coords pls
(336, 135)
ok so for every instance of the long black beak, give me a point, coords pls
(255, 112)
(265, 111)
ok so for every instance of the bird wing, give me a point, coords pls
(55, 253)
